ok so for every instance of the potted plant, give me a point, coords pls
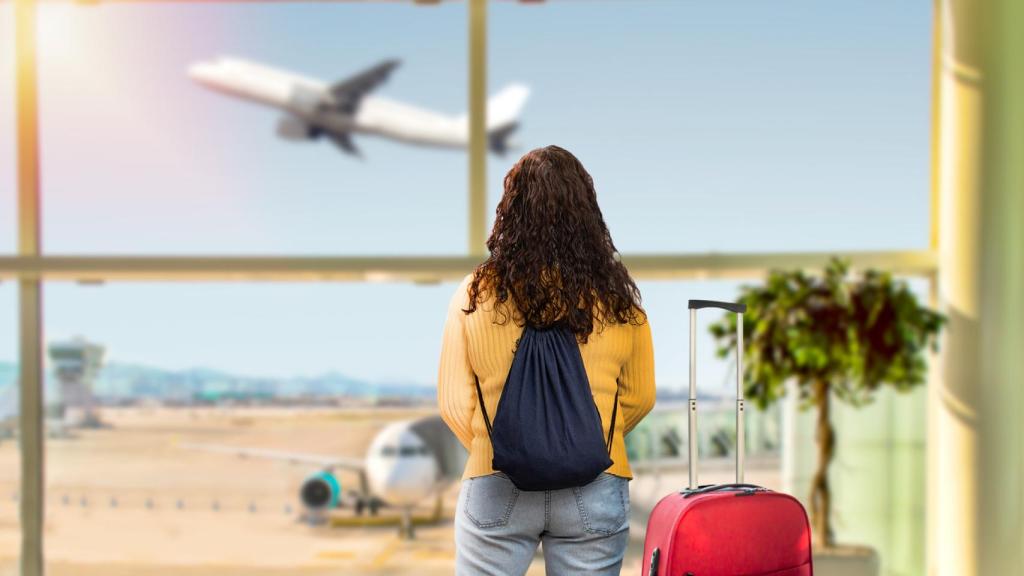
(835, 336)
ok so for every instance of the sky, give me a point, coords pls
(707, 126)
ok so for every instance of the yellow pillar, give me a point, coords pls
(1000, 516)
(975, 462)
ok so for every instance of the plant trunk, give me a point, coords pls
(821, 495)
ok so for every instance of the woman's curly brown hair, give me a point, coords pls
(551, 253)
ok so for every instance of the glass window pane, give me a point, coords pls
(180, 389)
(182, 373)
(142, 158)
(10, 459)
(733, 127)
(189, 371)
(8, 174)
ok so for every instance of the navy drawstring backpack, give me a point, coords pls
(547, 431)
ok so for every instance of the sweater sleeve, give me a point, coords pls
(636, 379)
(456, 388)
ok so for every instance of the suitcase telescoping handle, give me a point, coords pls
(739, 309)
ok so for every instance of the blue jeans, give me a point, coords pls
(498, 527)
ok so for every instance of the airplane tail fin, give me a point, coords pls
(503, 108)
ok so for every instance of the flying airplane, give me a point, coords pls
(337, 111)
(407, 462)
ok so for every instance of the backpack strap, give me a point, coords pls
(483, 407)
(615, 409)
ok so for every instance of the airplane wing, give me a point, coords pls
(355, 464)
(347, 93)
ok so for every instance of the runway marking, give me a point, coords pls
(385, 554)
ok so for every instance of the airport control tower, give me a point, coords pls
(76, 363)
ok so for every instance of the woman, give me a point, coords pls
(552, 260)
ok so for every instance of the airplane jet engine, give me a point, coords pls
(321, 491)
(293, 128)
(304, 100)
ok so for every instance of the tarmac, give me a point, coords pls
(129, 500)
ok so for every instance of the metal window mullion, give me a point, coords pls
(30, 333)
(477, 205)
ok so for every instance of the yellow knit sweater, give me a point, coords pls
(615, 355)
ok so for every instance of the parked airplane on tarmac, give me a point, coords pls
(313, 108)
(407, 462)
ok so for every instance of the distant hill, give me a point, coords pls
(123, 381)
(119, 381)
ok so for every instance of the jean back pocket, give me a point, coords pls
(490, 500)
(603, 504)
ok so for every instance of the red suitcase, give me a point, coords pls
(726, 529)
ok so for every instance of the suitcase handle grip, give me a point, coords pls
(720, 487)
(739, 308)
(736, 307)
